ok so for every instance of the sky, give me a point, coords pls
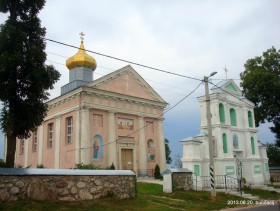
(187, 37)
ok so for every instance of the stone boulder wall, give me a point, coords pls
(66, 187)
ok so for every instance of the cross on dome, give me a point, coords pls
(82, 36)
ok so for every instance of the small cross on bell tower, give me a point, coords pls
(226, 71)
(82, 36)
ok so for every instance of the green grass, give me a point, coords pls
(264, 194)
(149, 197)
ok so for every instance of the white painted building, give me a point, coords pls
(235, 138)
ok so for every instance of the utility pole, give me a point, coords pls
(210, 139)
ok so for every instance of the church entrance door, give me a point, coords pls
(127, 159)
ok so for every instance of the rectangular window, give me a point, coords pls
(197, 170)
(21, 146)
(69, 129)
(230, 170)
(50, 135)
(35, 141)
(97, 120)
(150, 126)
(257, 169)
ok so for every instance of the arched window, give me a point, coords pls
(97, 147)
(222, 113)
(225, 149)
(232, 117)
(250, 119)
(235, 141)
(151, 150)
(253, 146)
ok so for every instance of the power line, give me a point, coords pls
(123, 60)
(128, 135)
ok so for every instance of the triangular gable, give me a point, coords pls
(128, 82)
(231, 87)
(227, 86)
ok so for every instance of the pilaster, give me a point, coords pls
(40, 142)
(85, 139)
(161, 146)
(112, 149)
(142, 149)
(78, 138)
(57, 143)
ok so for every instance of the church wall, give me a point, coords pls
(98, 127)
(33, 153)
(152, 143)
(49, 152)
(20, 155)
(67, 150)
(125, 84)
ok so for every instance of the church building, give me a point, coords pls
(236, 148)
(116, 119)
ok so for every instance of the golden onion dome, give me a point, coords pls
(81, 59)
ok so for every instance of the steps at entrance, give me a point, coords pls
(244, 195)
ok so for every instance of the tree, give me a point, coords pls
(273, 153)
(177, 163)
(167, 151)
(261, 85)
(24, 76)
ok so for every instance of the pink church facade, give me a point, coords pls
(114, 119)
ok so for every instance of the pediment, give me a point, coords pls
(228, 86)
(126, 81)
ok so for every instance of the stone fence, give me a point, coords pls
(68, 185)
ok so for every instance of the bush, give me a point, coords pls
(112, 167)
(157, 172)
(41, 166)
(87, 166)
(4, 165)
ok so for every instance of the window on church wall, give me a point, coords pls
(125, 124)
(197, 170)
(34, 141)
(235, 141)
(233, 121)
(21, 146)
(151, 150)
(250, 119)
(222, 113)
(97, 147)
(253, 146)
(97, 120)
(50, 135)
(225, 148)
(69, 130)
(150, 126)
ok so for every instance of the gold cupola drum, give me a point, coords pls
(81, 67)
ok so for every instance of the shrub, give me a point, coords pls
(40, 166)
(87, 166)
(112, 167)
(4, 165)
(157, 172)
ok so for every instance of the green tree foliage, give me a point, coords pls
(167, 151)
(273, 153)
(261, 85)
(24, 76)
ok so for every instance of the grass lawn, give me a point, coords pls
(149, 197)
(264, 194)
